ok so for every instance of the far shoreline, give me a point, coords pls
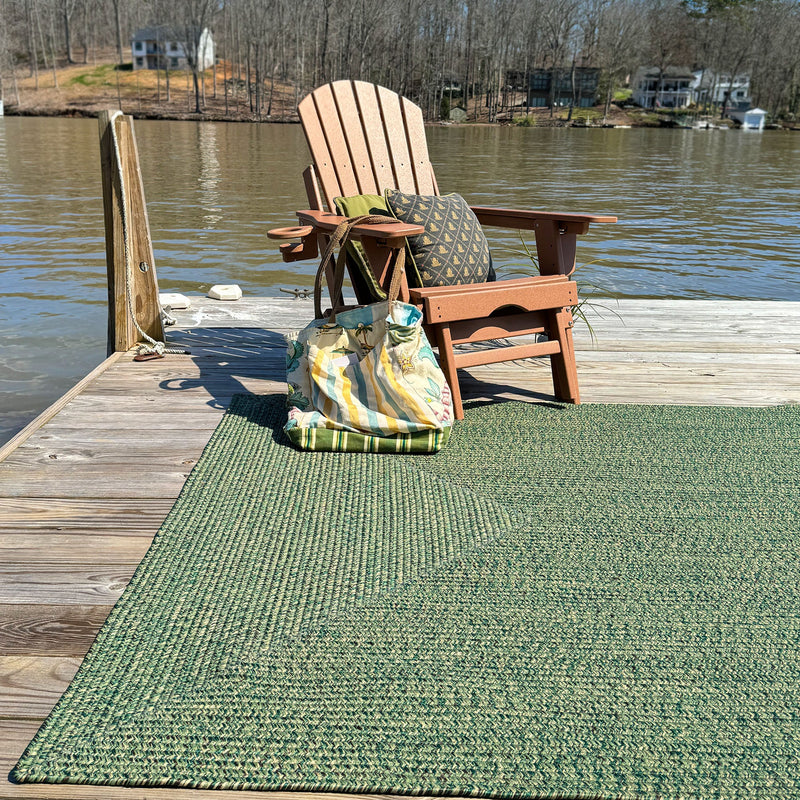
(540, 120)
(621, 119)
(84, 90)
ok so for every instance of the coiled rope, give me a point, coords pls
(153, 347)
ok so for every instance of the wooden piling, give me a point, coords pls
(126, 223)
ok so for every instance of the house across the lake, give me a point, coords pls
(667, 88)
(555, 85)
(716, 88)
(164, 47)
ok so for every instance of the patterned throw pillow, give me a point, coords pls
(453, 248)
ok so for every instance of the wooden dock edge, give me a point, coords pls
(15, 441)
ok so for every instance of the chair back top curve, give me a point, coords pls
(363, 139)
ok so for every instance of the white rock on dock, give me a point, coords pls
(173, 300)
(225, 292)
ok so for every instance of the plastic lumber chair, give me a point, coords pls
(363, 139)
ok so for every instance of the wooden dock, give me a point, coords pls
(87, 485)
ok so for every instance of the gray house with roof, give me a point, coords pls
(161, 47)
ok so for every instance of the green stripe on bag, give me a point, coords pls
(338, 441)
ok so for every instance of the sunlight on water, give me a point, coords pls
(209, 179)
(703, 214)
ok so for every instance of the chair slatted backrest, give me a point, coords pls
(363, 139)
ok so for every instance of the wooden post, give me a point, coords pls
(131, 226)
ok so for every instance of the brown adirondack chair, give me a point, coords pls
(364, 138)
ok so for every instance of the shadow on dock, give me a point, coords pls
(228, 360)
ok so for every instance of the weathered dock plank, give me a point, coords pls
(29, 548)
(41, 629)
(82, 495)
(67, 515)
(94, 482)
(31, 685)
(59, 404)
(663, 378)
(56, 584)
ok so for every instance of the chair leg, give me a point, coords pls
(447, 358)
(563, 366)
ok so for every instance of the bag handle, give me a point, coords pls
(339, 238)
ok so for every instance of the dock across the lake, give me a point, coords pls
(86, 486)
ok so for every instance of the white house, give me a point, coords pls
(717, 87)
(161, 48)
(670, 88)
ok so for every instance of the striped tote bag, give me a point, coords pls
(367, 381)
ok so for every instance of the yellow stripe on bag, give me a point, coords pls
(337, 389)
(319, 377)
(388, 423)
(353, 410)
(422, 412)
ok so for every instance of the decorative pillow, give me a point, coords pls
(453, 248)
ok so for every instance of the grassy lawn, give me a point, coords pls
(89, 88)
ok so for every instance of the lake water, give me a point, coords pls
(703, 214)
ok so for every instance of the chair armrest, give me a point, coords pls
(394, 234)
(380, 241)
(521, 219)
(556, 234)
(314, 223)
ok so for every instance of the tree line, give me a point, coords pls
(437, 52)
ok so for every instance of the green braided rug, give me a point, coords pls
(592, 601)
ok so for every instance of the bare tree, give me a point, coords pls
(775, 59)
(67, 8)
(667, 37)
(560, 20)
(617, 50)
(191, 21)
(9, 30)
(437, 52)
(725, 35)
(117, 6)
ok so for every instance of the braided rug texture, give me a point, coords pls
(589, 602)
